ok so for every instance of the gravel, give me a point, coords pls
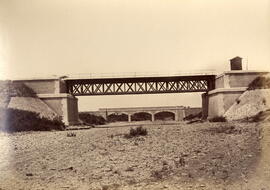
(196, 156)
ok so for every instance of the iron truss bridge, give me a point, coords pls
(139, 85)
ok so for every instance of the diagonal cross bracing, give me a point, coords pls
(147, 85)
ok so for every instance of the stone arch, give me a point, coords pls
(117, 116)
(141, 116)
(165, 115)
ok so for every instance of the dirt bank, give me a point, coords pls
(249, 104)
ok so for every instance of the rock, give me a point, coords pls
(107, 169)
(70, 168)
(105, 187)
(129, 169)
(29, 174)
(184, 174)
(165, 163)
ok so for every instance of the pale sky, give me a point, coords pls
(59, 37)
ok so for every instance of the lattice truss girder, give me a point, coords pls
(138, 87)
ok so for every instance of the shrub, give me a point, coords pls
(259, 83)
(264, 101)
(71, 134)
(139, 131)
(195, 121)
(261, 116)
(218, 119)
(226, 129)
(117, 117)
(191, 116)
(157, 174)
(13, 120)
(162, 173)
(90, 119)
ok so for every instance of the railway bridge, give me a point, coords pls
(219, 91)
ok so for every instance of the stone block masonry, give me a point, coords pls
(229, 86)
(65, 105)
(52, 91)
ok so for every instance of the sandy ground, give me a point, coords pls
(172, 156)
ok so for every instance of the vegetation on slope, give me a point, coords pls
(218, 119)
(261, 116)
(193, 116)
(260, 82)
(13, 120)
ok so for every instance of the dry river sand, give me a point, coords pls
(172, 156)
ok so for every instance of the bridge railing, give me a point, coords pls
(138, 74)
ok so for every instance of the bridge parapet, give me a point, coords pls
(236, 79)
(50, 85)
(142, 108)
(138, 75)
(179, 111)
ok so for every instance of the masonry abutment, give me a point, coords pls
(228, 87)
(52, 91)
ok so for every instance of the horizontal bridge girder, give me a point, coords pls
(90, 87)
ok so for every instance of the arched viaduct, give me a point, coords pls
(219, 90)
(177, 112)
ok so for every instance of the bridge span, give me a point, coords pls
(139, 85)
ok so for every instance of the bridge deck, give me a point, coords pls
(140, 85)
(137, 75)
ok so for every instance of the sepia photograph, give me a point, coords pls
(134, 95)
